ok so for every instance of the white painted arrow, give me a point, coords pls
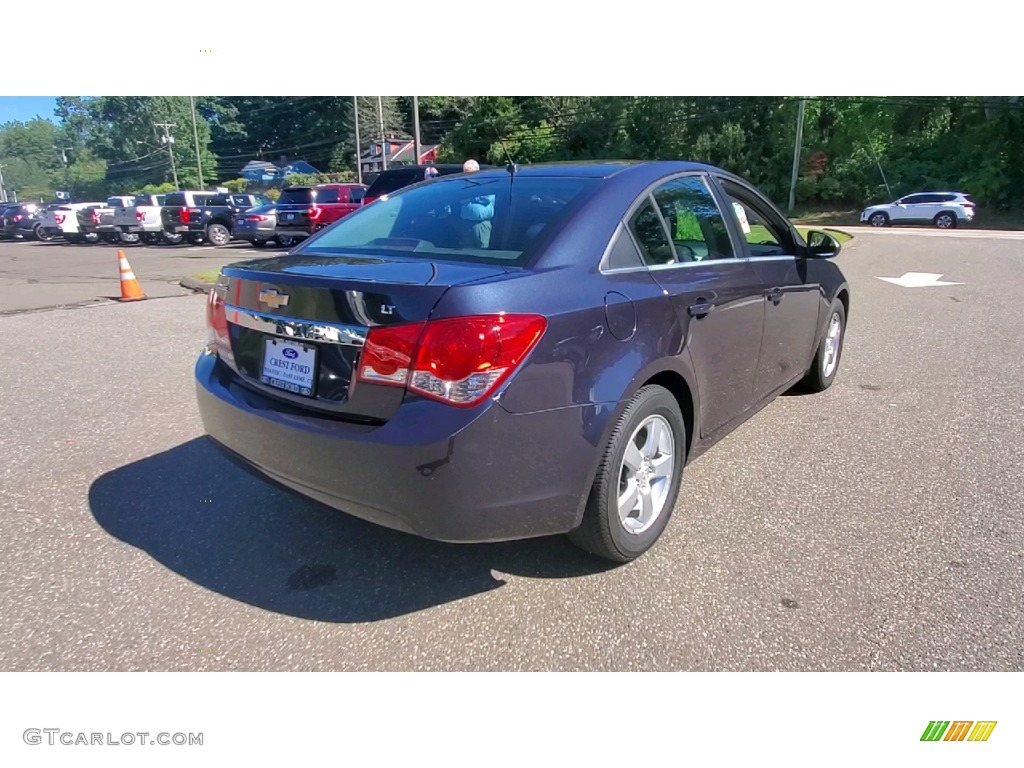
(918, 280)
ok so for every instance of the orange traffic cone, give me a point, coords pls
(130, 290)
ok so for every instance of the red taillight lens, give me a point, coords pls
(186, 215)
(459, 361)
(140, 216)
(95, 218)
(216, 317)
(17, 217)
(257, 218)
(60, 218)
(314, 213)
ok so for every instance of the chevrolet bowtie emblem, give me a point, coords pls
(273, 299)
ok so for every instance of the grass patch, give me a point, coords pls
(206, 276)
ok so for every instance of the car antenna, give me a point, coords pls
(511, 167)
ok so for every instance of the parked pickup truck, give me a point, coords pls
(62, 221)
(206, 216)
(100, 221)
(302, 211)
(142, 218)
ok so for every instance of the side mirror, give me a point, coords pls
(821, 245)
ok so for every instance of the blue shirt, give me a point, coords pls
(478, 209)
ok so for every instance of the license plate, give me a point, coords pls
(289, 366)
(289, 217)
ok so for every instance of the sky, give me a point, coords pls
(26, 107)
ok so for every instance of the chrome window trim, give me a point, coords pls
(292, 328)
(706, 262)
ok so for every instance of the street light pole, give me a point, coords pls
(416, 127)
(195, 132)
(796, 154)
(3, 189)
(383, 141)
(359, 165)
(169, 141)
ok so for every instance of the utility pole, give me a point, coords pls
(383, 140)
(169, 141)
(67, 180)
(3, 189)
(359, 165)
(416, 127)
(195, 132)
(796, 153)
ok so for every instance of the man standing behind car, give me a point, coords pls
(477, 212)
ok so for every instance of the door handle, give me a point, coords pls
(775, 296)
(700, 309)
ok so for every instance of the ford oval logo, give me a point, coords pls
(291, 354)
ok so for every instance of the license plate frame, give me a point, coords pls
(289, 380)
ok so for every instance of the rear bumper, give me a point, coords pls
(435, 471)
(296, 231)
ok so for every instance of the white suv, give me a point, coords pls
(943, 209)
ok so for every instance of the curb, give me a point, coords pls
(195, 285)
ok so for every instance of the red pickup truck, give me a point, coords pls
(302, 211)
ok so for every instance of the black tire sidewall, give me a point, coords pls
(653, 401)
(824, 382)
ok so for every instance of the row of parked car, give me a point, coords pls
(202, 216)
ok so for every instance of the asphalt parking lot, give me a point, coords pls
(879, 526)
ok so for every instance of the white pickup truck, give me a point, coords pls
(62, 221)
(101, 220)
(142, 218)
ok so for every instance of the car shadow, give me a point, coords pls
(218, 526)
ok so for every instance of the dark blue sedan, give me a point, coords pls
(520, 352)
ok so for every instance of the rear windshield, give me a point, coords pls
(296, 196)
(175, 198)
(389, 181)
(482, 220)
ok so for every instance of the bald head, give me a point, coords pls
(470, 166)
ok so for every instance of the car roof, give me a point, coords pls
(605, 169)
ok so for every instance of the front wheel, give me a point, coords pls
(637, 483)
(879, 220)
(830, 350)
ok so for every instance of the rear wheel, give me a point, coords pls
(40, 233)
(638, 480)
(287, 241)
(218, 234)
(171, 239)
(945, 220)
(74, 239)
(259, 243)
(879, 220)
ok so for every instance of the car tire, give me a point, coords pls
(287, 241)
(171, 239)
(73, 239)
(826, 361)
(878, 219)
(259, 243)
(218, 235)
(652, 430)
(39, 233)
(945, 220)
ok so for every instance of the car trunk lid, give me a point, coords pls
(296, 325)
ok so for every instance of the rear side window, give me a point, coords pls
(356, 194)
(241, 201)
(477, 219)
(296, 196)
(327, 195)
(694, 222)
(646, 226)
(623, 254)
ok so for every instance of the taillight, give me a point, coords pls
(17, 217)
(60, 218)
(459, 361)
(95, 217)
(186, 215)
(140, 216)
(216, 317)
(257, 218)
(314, 213)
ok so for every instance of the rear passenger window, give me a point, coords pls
(624, 254)
(694, 221)
(328, 195)
(650, 235)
